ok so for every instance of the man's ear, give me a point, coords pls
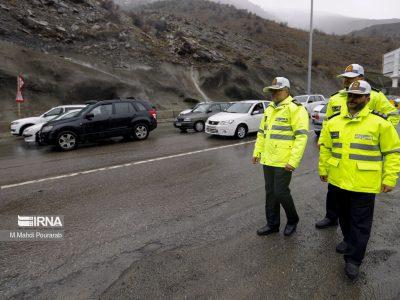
(368, 98)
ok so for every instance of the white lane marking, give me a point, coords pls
(120, 166)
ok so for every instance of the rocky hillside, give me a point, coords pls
(389, 32)
(168, 52)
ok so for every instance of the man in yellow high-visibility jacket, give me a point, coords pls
(337, 103)
(359, 157)
(281, 141)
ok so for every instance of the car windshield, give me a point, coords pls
(52, 112)
(201, 108)
(85, 109)
(69, 114)
(323, 110)
(240, 108)
(301, 99)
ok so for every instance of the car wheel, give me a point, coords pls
(199, 126)
(140, 131)
(67, 140)
(241, 131)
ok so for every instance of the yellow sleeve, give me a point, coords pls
(389, 143)
(383, 105)
(325, 150)
(259, 145)
(329, 110)
(300, 126)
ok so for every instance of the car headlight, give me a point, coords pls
(228, 122)
(187, 119)
(47, 128)
(14, 123)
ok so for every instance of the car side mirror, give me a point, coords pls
(256, 112)
(89, 116)
(209, 111)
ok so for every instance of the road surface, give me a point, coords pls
(176, 216)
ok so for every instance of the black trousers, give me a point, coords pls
(331, 205)
(277, 193)
(356, 211)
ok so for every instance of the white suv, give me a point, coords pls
(18, 126)
(238, 120)
(311, 101)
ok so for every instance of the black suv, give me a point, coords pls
(132, 119)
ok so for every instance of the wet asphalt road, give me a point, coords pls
(179, 227)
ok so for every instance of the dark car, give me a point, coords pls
(132, 119)
(199, 115)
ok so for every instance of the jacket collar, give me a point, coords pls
(362, 113)
(288, 100)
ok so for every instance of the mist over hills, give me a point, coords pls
(327, 22)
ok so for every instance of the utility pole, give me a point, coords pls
(310, 48)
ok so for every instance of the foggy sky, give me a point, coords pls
(370, 9)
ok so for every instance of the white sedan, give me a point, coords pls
(17, 127)
(311, 101)
(239, 119)
(29, 133)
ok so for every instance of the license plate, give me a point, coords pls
(178, 123)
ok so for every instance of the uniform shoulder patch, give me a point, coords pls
(297, 102)
(379, 114)
(334, 115)
(375, 89)
(334, 94)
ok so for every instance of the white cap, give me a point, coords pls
(360, 87)
(352, 71)
(277, 84)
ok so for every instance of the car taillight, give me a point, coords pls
(153, 112)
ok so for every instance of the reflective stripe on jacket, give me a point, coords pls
(282, 137)
(359, 153)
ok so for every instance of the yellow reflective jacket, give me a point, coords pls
(378, 102)
(359, 153)
(282, 137)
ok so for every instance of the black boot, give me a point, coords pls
(351, 270)
(290, 229)
(325, 223)
(266, 230)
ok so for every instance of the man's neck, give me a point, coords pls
(354, 113)
(277, 102)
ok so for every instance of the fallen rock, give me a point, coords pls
(74, 27)
(96, 27)
(30, 13)
(36, 3)
(49, 2)
(186, 49)
(61, 10)
(122, 36)
(61, 29)
(2, 6)
(41, 23)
